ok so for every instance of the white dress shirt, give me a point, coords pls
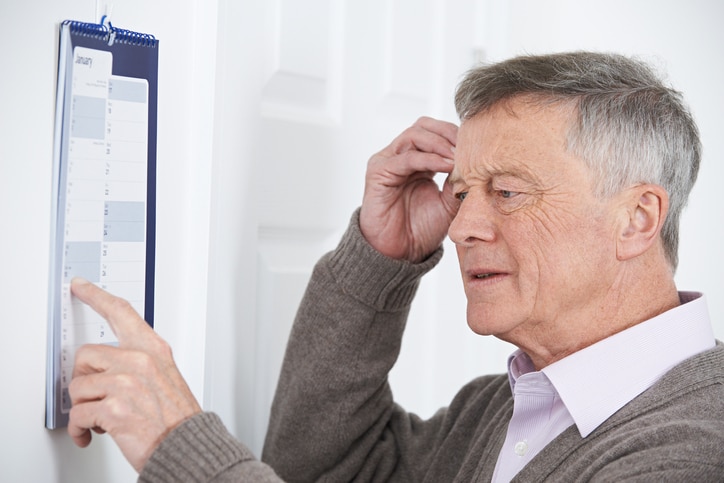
(589, 386)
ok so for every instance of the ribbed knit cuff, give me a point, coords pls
(373, 278)
(197, 450)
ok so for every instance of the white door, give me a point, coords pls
(318, 86)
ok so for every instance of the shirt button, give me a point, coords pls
(521, 448)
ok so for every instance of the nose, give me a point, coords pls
(474, 222)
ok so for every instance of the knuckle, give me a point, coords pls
(126, 381)
(143, 362)
(164, 349)
(158, 347)
(77, 416)
(155, 355)
(73, 387)
(81, 352)
(120, 305)
(116, 408)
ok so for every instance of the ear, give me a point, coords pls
(643, 213)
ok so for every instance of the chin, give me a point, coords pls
(485, 328)
(488, 322)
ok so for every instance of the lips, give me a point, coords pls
(484, 273)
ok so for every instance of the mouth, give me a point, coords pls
(485, 275)
(482, 276)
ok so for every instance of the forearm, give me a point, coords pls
(333, 403)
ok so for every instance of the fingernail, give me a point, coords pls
(450, 161)
(79, 281)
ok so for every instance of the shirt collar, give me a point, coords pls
(600, 379)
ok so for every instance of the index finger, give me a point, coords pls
(427, 135)
(445, 129)
(123, 319)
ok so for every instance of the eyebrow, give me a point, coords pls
(523, 174)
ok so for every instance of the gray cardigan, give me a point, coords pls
(334, 419)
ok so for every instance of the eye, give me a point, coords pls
(461, 196)
(509, 201)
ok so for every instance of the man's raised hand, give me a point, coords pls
(405, 215)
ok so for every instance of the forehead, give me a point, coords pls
(515, 137)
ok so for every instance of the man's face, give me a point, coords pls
(536, 247)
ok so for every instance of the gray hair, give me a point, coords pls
(630, 128)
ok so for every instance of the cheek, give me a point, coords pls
(531, 240)
(547, 250)
(564, 251)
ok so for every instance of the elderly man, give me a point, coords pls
(570, 173)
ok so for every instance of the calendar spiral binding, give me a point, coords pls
(111, 34)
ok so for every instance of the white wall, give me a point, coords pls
(29, 452)
(210, 81)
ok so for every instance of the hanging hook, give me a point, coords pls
(106, 19)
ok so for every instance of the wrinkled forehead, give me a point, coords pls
(518, 136)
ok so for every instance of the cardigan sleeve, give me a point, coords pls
(333, 417)
(201, 449)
